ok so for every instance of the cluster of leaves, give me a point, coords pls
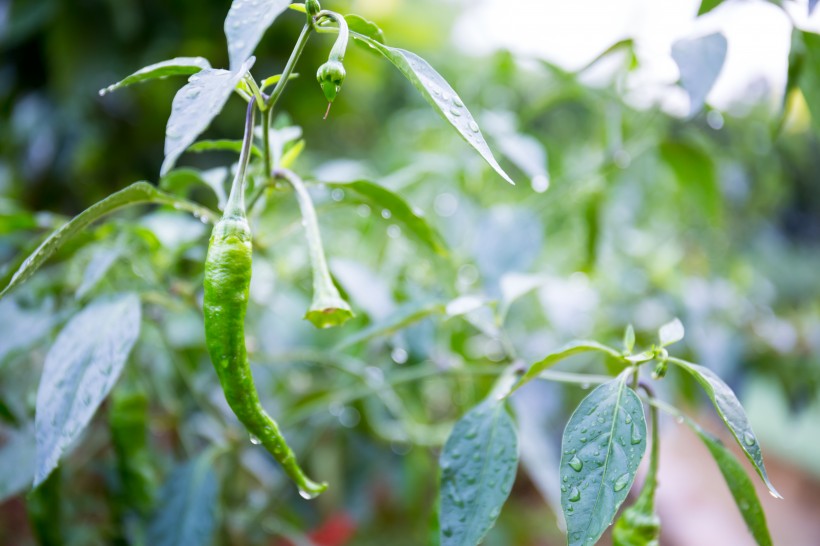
(441, 333)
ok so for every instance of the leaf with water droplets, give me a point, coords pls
(195, 106)
(732, 413)
(739, 484)
(440, 95)
(573, 348)
(478, 466)
(391, 205)
(80, 370)
(137, 193)
(602, 447)
(245, 25)
(187, 509)
(172, 67)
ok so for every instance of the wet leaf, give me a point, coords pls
(173, 67)
(137, 193)
(245, 25)
(739, 484)
(392, 206)
(187, 510)
(603, 445)
(732, 413)
(195, 106)
(478, 466)
(440, 95)
(80, 369)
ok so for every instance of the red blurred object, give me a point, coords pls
(337, 530)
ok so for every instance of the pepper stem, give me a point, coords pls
(236, 200)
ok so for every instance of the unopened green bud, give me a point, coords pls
(331, 75)
(312, 8)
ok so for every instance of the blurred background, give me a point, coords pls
(662, 170)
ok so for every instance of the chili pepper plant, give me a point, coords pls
(85, 372)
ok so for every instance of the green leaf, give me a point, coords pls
(187, 510)
(708, 5)
(273, 80)
(629, 338)
(808, 71)
(357, 23)
(173, 67)
(602, 447)
(16, 461)
(222, 145)
(195, 106)
(700, 61)
(245, 25)
(80, 370)
(739, 484)
(669, 333)
(478, 466)
(696, 174)
(440, 95)
(410, 219)
(732, 413)
(137, 193)
(572, 348)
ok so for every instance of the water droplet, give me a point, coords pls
(337, 194)
(255, 441)
(563, 488)
(457, 102)
(574, 495)
(191, 94)
(621, 482)
(636, 435)
(447, 531)
(566, 479)
(455, 111)
(472, 433)
(307, 495)
(393, 231)
(495, 513)
(386, 214)
(363, 211)
(584, 430)
(576, 464)
(398, 355)
(473, 126)
(749, 439)
(628, 419)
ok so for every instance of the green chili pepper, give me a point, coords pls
(331, 75)
(227, 282)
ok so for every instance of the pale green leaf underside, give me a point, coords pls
(440, 95)
(478, 466)
(732, 413)
(195, 106)
(700, 61)
(80, 369)
(739, 484)
(137, 193)
(245, 25)
(187, 510)
(173, 67)
(409, 219)
(602, 447)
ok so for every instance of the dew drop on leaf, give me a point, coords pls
(576, 464)
(621, 482)
(749, 439)
(574, 495)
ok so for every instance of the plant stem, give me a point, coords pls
(291, 64)
(236, 200)
(266, 121)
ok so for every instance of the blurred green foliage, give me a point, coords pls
(714, 219)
